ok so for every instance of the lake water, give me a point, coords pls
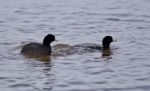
(76, 22)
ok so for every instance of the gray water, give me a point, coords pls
(75, 22)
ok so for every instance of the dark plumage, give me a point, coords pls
(37, 49)
(106, 41)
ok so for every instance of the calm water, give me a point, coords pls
(75, 22)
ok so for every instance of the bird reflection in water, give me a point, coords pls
(43, 58)
(106, 53)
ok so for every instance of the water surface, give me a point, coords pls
(76, 22)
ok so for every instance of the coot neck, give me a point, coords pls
(106, 45)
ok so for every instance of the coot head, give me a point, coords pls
(48, 39)
(106, 41)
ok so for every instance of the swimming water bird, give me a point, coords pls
(105, 49)
(106, 52)
(37, 49)
(107, 40)
(65, 49)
